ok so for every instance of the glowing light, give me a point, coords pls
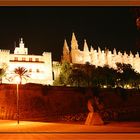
(104, 86)
(17, 79)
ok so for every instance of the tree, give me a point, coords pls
(128, 76)
(77, 77)
(64, 74)
(3, 71)
(110, 76)
(88, 69)
(22, 73)
(103, 76)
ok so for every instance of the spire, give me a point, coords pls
(66, 52)
(114, 51)
(74, 43)
(131, 53)
(99, 50)
(21, 49)
(125, 54)
(85, 46)
(21, 44)
(137, 55)
(106, 51)
(91, 49)
(21, 40)
(65, 48)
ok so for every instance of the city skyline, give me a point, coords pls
(45, 28)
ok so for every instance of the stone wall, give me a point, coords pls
(50, 103)
(37, 101)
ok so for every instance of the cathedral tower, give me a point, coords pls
(86, 53)
(74, 43)
(66, 52)
(74, 50)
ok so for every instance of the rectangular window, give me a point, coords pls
(37, 59)
(30, 70)
(15, 58)
(37, 70)
(23, 59)
(30, 59)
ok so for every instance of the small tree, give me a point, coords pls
(3, 71)
(77, 77)
(128, 75)
(64, 74)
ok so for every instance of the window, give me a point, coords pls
(16, 59)
(30, 59)
(37, 70)
(30, 70)
(23, 59)
(37, 59)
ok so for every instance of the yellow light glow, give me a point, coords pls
(104, 86)
(17, 79)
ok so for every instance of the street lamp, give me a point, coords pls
(17, 79)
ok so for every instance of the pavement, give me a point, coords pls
(10, 130)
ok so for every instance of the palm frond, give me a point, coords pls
(22, 73)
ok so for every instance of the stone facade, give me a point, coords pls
(98, 57)
(42, 70)
(39, 66)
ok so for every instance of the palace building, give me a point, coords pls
(39, 66)
(97, 57)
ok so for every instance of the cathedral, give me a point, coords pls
(97, 57)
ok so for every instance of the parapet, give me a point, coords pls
(4, 51)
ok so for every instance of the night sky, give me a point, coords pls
(45, 28)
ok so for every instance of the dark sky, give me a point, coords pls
(45, 28)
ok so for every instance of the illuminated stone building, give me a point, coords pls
(97, 57)
(42, 70)
(39, 66)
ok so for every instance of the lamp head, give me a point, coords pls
(17, 79)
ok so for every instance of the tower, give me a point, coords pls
(86, 52)
(75, 56)
(74, 43)
(66, 52)
(21, 49)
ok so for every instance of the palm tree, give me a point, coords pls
(22, 73)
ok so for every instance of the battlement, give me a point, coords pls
(46, 53)
(2, 51)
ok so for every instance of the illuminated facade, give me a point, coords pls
(42, 70)
(98, 57)
(39, 66)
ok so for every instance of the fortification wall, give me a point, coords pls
(50, 103)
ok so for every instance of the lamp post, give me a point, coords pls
(17, 82)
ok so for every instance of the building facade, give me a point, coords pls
(97, 57)
(42, 70)
(39, 66)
